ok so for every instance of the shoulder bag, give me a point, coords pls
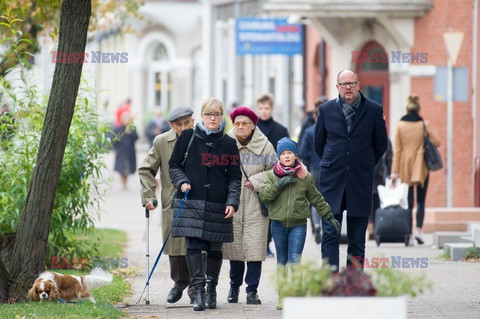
(432, 155)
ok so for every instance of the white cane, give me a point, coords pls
(147, 253)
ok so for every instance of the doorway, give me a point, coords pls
(374, 76)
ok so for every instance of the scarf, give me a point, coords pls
(245, 141)
(207, 131)
(298, 169)
(349, 111)
(412, 117)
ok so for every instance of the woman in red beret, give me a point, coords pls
(250, 226)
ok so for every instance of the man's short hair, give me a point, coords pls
(266, 98)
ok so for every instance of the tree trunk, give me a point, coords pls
(29, 250)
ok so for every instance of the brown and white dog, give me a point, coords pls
(52, 286)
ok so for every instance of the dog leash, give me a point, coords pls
(184, 199)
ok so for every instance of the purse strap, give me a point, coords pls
(425, 132)
(188, 148)
(242, 168)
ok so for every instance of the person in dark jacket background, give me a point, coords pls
(350, 139)
(157, 126)
(273, 130)
(124, 147)
(212, 174)
(310, 118)
(306, 151)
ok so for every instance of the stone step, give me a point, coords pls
(452, 214)
(458, 250)
(429, 227)
(467, 239)
(440, 238)
(449, 219)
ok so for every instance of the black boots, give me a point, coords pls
(174, 295)
(197, 272)
(233, 295)
(252, 299)
(213, 270)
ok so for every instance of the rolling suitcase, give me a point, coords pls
(392, 225)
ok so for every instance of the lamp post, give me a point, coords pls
(453, 42)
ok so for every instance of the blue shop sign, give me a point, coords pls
(268, 36)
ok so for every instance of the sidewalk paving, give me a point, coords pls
(456, 285)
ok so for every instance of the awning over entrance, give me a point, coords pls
(349, 8)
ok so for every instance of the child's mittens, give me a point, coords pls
(336, 224)
(284, 181)
(329, 216)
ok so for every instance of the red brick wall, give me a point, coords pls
(312, 85)
(447, 15)
(477, 109)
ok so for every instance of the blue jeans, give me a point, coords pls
(356, 229)
(289, 242)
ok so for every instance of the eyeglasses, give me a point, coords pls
(347, 84)
(239, 124)
(214, 115)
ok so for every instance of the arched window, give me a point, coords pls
(159, 52)
(160, 77)
(376, 57)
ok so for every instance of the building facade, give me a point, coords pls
(398, 48)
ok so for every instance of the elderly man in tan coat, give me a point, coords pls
(250, 226)
(157, 158)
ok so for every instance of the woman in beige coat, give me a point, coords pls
(408, 158)
(250, 227)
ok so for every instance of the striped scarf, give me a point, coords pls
(349, 111)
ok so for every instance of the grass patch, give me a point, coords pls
(473, 253)
(110, 243)
(84, 309)
(445, 255)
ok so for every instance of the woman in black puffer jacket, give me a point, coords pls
(211, 173)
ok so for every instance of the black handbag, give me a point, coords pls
(432, 155)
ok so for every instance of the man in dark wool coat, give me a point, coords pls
(350, 139)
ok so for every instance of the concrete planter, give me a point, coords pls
(345, 307)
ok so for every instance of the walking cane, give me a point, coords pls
(147, 253)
